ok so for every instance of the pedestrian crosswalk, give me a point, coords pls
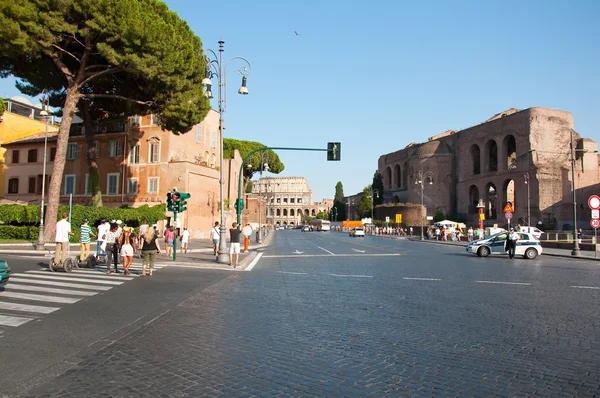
(33, 294)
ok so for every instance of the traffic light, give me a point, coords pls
(170, 203)
(176, 197)
(182, 202)
(334, 151)
(239, 205)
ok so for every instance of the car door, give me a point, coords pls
(498, 244)
(523, 243)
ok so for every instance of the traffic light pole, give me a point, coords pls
(174, 236)
(239, 202)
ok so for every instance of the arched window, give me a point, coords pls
(306, 212)
(476, 158)
(291, 212)
(492, 155)
(509, 146)
(509, 192)
(405, 175)
(473, 199)
(313, 213)
(387, 177)
(285, 213)
(278, 212)
(492, 198)
(398, 176)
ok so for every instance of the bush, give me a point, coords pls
(18, 232)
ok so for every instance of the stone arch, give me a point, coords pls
(509, 149)
(476, 158)
(396, 199)
(473, 199)
(405, 175)
(278, 212)
(285, 212)
(299, 212)
(306, 212)
(509, 193)
(387, 177)
(491, 192)
(398, 176)
(491, 153)
(292, 213)
(313, 213)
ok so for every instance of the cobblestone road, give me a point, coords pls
(327, 315)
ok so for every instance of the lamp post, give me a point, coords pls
(349, 203)
(421, 178)
(575, 251)
(526, 176)
(40, 245)
(336, 213)
(220, 71)
(373, 201)
(492, 196)
(266, 167)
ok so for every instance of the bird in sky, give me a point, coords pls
(297, 34)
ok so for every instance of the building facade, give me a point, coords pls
(138, 164)
(283, 201)
(517, 156)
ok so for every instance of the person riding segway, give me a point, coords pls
(61, 259)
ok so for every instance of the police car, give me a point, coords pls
(527, 245)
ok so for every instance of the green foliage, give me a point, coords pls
(13, 232)
(365, 205)
(341, 210)
(339, 192)
(2, 106)
(378, 185)
(322, 215)
(439, 215)
(244, 148)
(249, 187)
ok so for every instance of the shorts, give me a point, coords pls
(216, 242)
(234, 247)
(170, 243)
(127, 251)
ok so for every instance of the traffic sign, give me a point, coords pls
(594, 202)
(508, 215)
(399, 218)
(595, 223)
(387, 219)
(508, 208)
(595, 213)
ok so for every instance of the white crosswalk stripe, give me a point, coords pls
(32, 294)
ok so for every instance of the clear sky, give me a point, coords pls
(379, 75)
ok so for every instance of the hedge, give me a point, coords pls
(20, 222)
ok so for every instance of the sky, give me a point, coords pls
(379, 75)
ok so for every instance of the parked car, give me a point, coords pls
(4, 273)
(527, 245)
(306, 228)
(532, 230)
(358, 231)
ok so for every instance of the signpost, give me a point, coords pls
(399, 218)
(594, 204)
(508, 212)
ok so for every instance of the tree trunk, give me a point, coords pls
(94, 176)
(58, 169)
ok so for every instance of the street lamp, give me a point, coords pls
(373, 201)
(336, 213)
(40, 245)
(526, 176)
(266, 167)
(421, 178)
(349, 203)
(220, 71)
(575, 251)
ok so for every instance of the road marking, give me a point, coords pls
(69, 278)
(505, 283)
(297, 252)
(14, 321)
(326, 250)
(293, 273)
(27, 308)
(253, 263)
(359, 251)
(88, 274)
(325, 255)
(50, 290)
(422, 279)
(103, 274)
(38, 297)
(586, 287)
(352, 276)
(14, 279)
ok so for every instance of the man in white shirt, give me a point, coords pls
(215, 236)
(119, 229)
(103, 229)
(185, 239)
(63, 231)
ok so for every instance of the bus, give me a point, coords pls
(320, 225)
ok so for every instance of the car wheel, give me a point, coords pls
(483, 251)
(530, 253)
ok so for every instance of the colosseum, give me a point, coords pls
(517, 156)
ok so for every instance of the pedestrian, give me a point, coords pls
(63, 232)
(169, 238)
(580, 235)
(150, 247)
(234, 244)
(141, 231)
(103, 228)
(119, 229)
(127, 248)
(511, 243)
(470, 234)
(411, 231)
(84, 240)
(215, 236)
(112, 248)
(185, 240)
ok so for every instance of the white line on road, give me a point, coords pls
(326, 250)
(253, 263)
(88, 274)
(70, 278)
(14, 279)
(422, 279)
(586, 287)
(352, 276)
(505, 283)
(14, 321)
(359, 251)
(325, 255)
(102, 274)
(38, 297)
(27, 308)
(31, 288)
(293, 273)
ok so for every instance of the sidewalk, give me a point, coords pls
(199, 254)
(584, 254)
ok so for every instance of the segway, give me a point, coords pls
(66, 266)
(89, 262)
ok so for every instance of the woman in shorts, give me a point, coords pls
(127, 248)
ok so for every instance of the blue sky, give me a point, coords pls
(381, 74)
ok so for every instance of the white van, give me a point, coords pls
(533, 231)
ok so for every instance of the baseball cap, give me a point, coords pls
(85, 220)
(119, 222)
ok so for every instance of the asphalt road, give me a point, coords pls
(323, 314)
